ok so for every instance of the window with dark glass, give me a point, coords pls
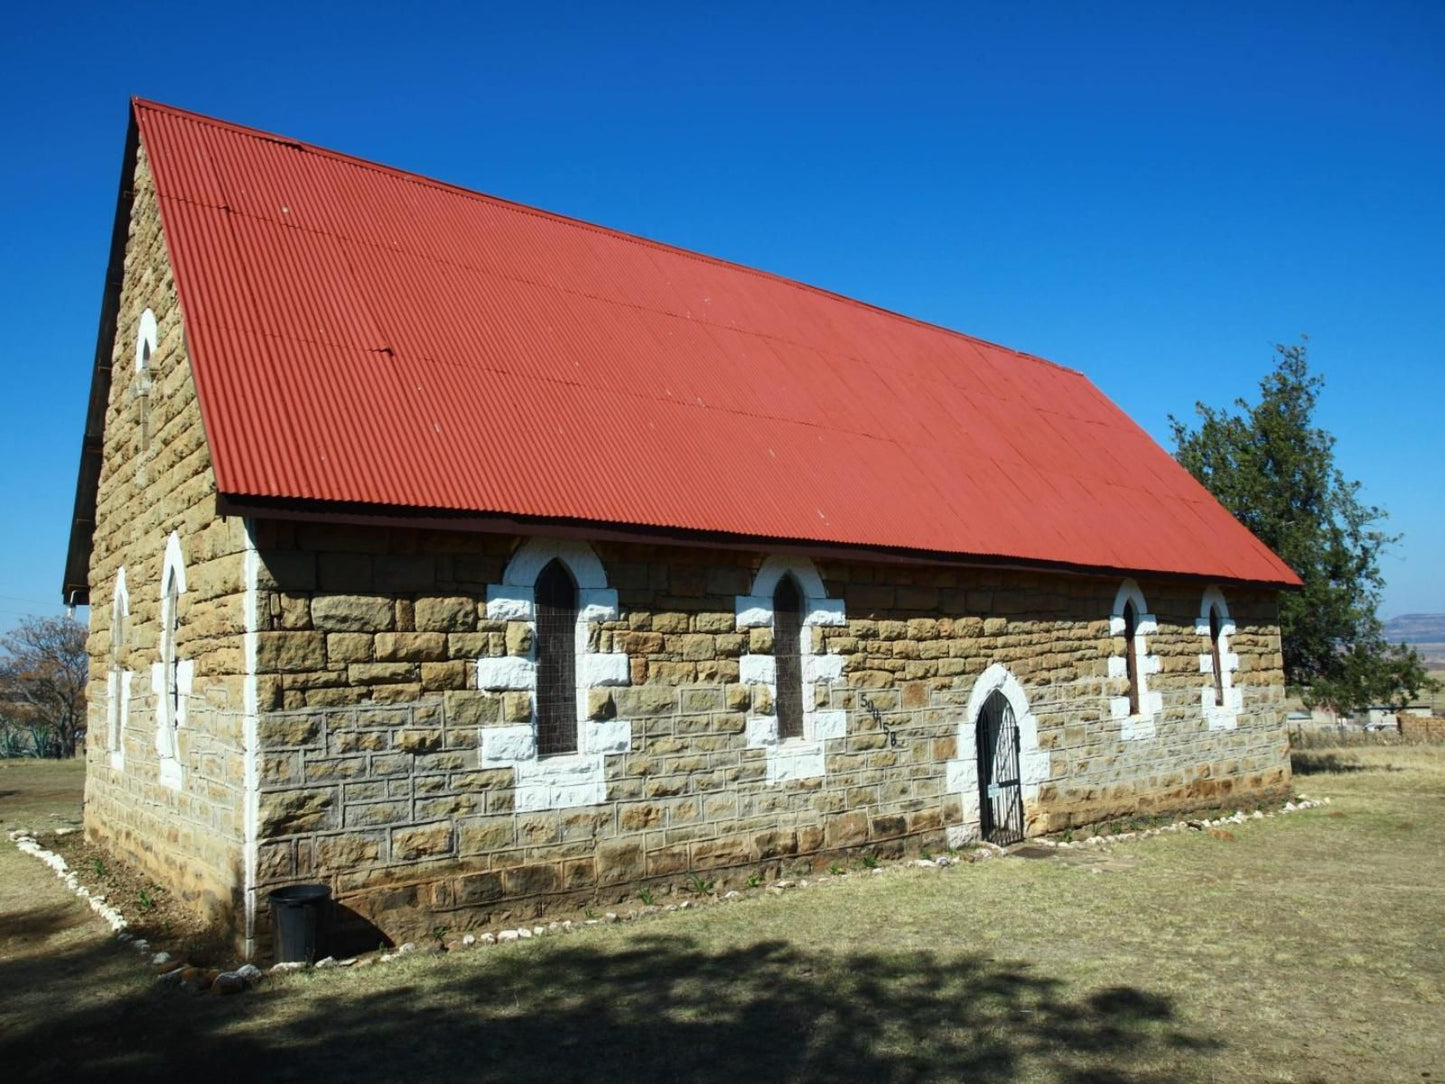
(117, 645)
(1131, 655)
(556, 660)
(168, 651)
(1214, 630)
(788, 657)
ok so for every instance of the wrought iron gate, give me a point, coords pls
(1001, 800)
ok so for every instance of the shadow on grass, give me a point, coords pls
(1331, 764)
(37, 922)
(652, 1008)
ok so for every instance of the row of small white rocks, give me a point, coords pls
(1237, 817)
(172, 970)
(27, 844)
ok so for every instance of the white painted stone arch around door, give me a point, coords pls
(962, 771)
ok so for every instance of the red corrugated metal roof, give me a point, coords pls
(361, 334)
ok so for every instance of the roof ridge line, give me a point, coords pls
(421, 178)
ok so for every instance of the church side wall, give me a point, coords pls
(178, 817)
(395, 711)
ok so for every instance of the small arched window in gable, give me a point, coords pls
(1215, 630)
(145, 348)
(1131, 654)
(788, 656)
(145, 341)
(556, 594)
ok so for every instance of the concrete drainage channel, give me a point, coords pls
(194, 980)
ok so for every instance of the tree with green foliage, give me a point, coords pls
(1274, 469)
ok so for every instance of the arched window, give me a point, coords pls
(788, 656)
(556, 660)
(1214, 634)
(145, 341)
(118, 680)
(1131, 654)
(145, 347)
(1220, 698)
(170, 681)
(1131, 624)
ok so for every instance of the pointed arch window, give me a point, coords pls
(788, 655)
(172, 677)
(1215, 627)
(1221, 698)
(170, 674)
(1132, 626)
(1131, 654)
(145, 347)
(556, 660)
(118, 679)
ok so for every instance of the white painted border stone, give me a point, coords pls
(168, 740)
(804, 757)
(1218, 716)
(961, 773)
(567, 780)
(1151, 704)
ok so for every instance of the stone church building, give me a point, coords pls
(477, 561)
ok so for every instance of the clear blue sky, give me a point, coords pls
(1153, 196)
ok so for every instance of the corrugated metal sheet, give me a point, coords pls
(362, 334)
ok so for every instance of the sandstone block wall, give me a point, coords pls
(375, 777)
(156, 478)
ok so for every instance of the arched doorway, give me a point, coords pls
(1000, 779)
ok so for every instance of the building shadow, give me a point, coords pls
(659, 1007)
(1304, 763)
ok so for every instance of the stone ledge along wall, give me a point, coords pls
(156, 478)
(373, 780)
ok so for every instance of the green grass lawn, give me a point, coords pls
(1310, 947)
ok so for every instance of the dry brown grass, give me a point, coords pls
(1308, 948)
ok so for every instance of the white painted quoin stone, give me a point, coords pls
(802, 757)
(564, 780)
(1218, 716)
(961, 773)
(168, 723)
(1151, 704)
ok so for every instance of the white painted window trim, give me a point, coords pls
(563, 780)
(1218, 716)
(146, 340)
(961, 773)
(802, 757)
(1151, 704)
(168, 745)
(118, 679)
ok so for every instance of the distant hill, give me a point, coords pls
(1424, 632)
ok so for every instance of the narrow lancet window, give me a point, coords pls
(171, 673)
(1131, 654)
(788, 655)
(556, 660)
(1215, 654)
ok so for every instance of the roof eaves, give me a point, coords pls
(75, 588)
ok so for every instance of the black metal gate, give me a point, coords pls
(1001, 799)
